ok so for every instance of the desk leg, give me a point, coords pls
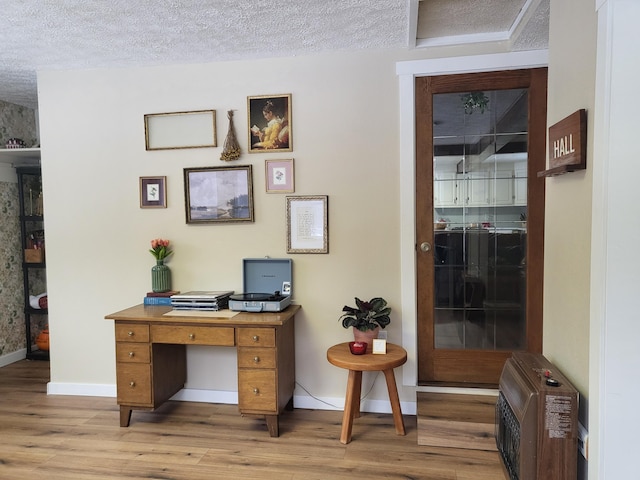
(273, 425)
(289, 405)
(125, 416)
(351, 404)
(395, 401)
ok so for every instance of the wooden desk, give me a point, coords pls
(340, 356)
(151, 361)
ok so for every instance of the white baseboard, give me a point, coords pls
(206, 396)
(81, 389)
(13, 357)
(337, 403)
(226, 397)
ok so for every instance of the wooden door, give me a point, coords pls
(479, 261)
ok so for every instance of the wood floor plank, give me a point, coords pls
(79, 438)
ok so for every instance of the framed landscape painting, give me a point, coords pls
(218, 194)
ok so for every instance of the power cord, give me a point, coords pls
(335, 406)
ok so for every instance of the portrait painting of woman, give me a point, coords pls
(269, 123)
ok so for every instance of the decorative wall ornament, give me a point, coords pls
(231, 149)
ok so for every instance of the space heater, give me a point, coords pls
(536, 420)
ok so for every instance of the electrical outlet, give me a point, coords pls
(583, 441)
(382, 335)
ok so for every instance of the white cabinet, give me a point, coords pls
(461, 190)
(506, 186)
(445, 189)
(476, 188)
(502, 188)
(520, 185)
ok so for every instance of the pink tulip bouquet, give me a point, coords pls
(160, 248)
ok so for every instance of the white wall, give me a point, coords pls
(568, 197)
(345, 121)
(615, 329)
(568, 225)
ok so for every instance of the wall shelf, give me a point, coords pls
(19, 157)
(561, 170)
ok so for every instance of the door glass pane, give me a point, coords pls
(480, 210)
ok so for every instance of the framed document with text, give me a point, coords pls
(307, 224)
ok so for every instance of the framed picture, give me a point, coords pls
(153, 192)
(164, 131)
(219, 194)
(270, 124)
(307, 224)
(279, 176)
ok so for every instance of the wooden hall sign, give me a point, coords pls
(568, 145)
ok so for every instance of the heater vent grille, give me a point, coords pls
(508, 437)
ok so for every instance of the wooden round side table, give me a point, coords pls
(340, 356)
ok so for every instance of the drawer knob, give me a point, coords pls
(256, 391)
(256, 338)
(131, 354)
(192, 336)
(132, 384)
(130, 333)
(256, 359)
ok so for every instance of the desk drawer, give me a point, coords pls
(256, 337)
(257, 391)
(134, 384)
(132, 352)
(192, 335)
(132, 332)
(258, 357)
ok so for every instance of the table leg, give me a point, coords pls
(395, 401)
(357, 393)
(351, 402)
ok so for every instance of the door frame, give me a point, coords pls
(407, 71)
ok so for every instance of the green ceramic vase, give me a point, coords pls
(160, 277)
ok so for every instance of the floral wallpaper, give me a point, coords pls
(17, 121)
(12, 327)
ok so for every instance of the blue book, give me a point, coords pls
(157, 301)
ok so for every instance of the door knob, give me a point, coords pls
(425, 246)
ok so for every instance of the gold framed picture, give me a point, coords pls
(307, 224)
(165, 131)
(270, 124)
(219, 194)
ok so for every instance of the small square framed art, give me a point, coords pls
(279, 176)
(153, 192)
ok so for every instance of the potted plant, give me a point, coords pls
(366, 318)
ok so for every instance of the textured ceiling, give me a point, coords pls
(69, 34)
(523, 23)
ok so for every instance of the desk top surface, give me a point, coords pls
(156, 314)
(340, 356)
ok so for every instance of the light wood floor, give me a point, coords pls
(78, 438)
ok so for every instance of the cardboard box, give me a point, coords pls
(31, 255)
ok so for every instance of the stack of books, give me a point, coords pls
(201, 300)
(160, 298)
